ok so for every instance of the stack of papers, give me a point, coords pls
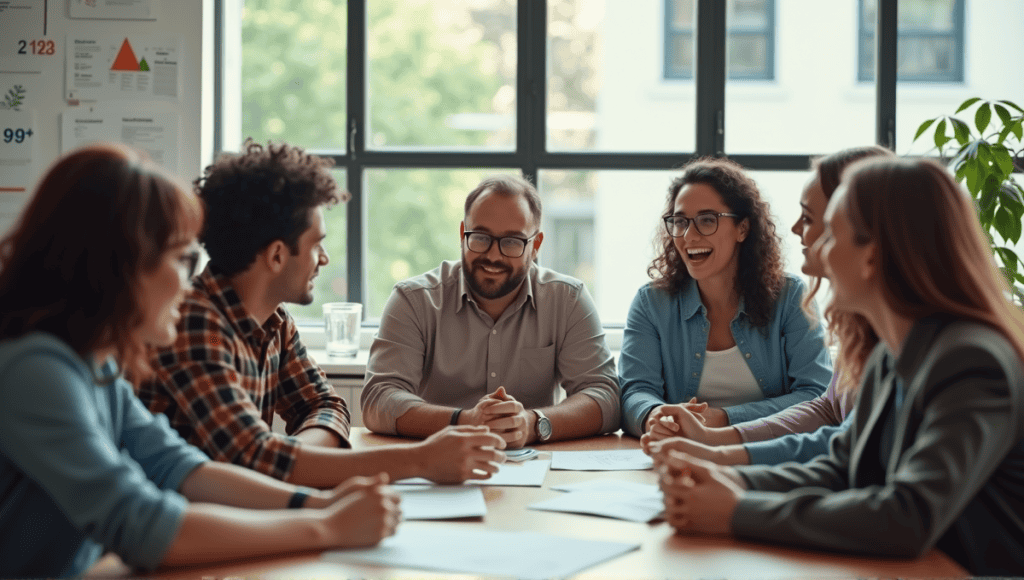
(527, 555)
(623, 500)
(615, 460)
(525, 474)
(435, 502)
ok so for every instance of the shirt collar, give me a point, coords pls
(466, 296)
(691, 302)
(219, 288)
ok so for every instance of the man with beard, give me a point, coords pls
(489, 340)
(238, 359)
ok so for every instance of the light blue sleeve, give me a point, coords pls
(808, 365)
(640, 366)
(162, 454)
(51, 427)
(799, 447)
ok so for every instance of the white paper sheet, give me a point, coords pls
(113, 9)
(153, 131)
(123, 67)
(608, 484)
(436, 502)
(623, 504)
(615, 460)
(525, 474)
(480, 551)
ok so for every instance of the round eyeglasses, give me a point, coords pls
(706, 223)
(509, 246)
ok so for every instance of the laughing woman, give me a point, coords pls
(935, 453)
(719, 331)
(95, 271)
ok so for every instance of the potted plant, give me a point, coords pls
(984, 161)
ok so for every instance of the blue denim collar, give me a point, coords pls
(691, 303)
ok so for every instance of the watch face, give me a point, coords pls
(544, 428)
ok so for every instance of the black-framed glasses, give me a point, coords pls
(509, 246)
(706, 223)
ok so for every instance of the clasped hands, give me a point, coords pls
(690, 420)
(700, 496)
(504, 416)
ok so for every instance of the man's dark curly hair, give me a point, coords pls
(260, 196)
(759, 277)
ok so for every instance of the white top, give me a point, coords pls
(727, 380)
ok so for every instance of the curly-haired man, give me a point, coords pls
(238, 358)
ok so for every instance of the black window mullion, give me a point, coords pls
(355, 147)
(886, 40)
(709, 70)
(531, 85)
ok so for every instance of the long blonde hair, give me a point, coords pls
(926, 230)
(849, 327)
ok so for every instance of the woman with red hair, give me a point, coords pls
(93, 273)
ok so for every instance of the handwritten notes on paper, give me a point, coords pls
(613, 460)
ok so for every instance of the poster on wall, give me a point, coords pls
(24, 43)
(19, 160)
(113, 9)
(123, 67)
(148, 129)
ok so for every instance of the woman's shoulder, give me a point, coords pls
(37, 344)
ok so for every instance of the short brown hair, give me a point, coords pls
(259, 196)
(510, 185)
(100, 218)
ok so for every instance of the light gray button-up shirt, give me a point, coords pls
(436, 345)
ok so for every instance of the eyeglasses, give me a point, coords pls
(706, 223)
(509, 246)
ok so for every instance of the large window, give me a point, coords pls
(417, 100)
(751, 42)
(931, 41)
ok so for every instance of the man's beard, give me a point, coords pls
(492, 291)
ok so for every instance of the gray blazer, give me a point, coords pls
(944, 469)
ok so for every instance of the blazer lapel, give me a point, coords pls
(880, 397)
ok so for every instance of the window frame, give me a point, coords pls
(530, 154)
(956, 75)
(768, 32)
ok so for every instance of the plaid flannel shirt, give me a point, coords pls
(225, 376)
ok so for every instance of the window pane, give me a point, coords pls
(995, 34)
(928, 42)
(331, 284)
(748, 56)
(683, 14)
(605, 87)
(620, 211)
(441, 74)
(812, 106)
(748, 14)
(412, 224)
(293, 72)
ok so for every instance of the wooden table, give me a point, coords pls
(661, 555)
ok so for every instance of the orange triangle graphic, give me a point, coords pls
(125, 58)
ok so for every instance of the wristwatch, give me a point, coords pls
(543, 426)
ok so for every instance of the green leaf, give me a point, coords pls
(961, 131)
(982, 116)
(1003, 159)
(970, 168)
(1005, 224)
(1013, 105)
(1018, 128)
(1009, 259)
(967, 103)
(924, 127)
(1004, 115)
(940, 135)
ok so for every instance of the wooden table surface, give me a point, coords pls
(662, 554)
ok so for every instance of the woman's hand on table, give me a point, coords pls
(365, 511)
(700, 496)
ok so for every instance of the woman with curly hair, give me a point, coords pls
(934, 457)
(719, 331)
(803, 431)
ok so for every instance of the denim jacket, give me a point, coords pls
(666, 337)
